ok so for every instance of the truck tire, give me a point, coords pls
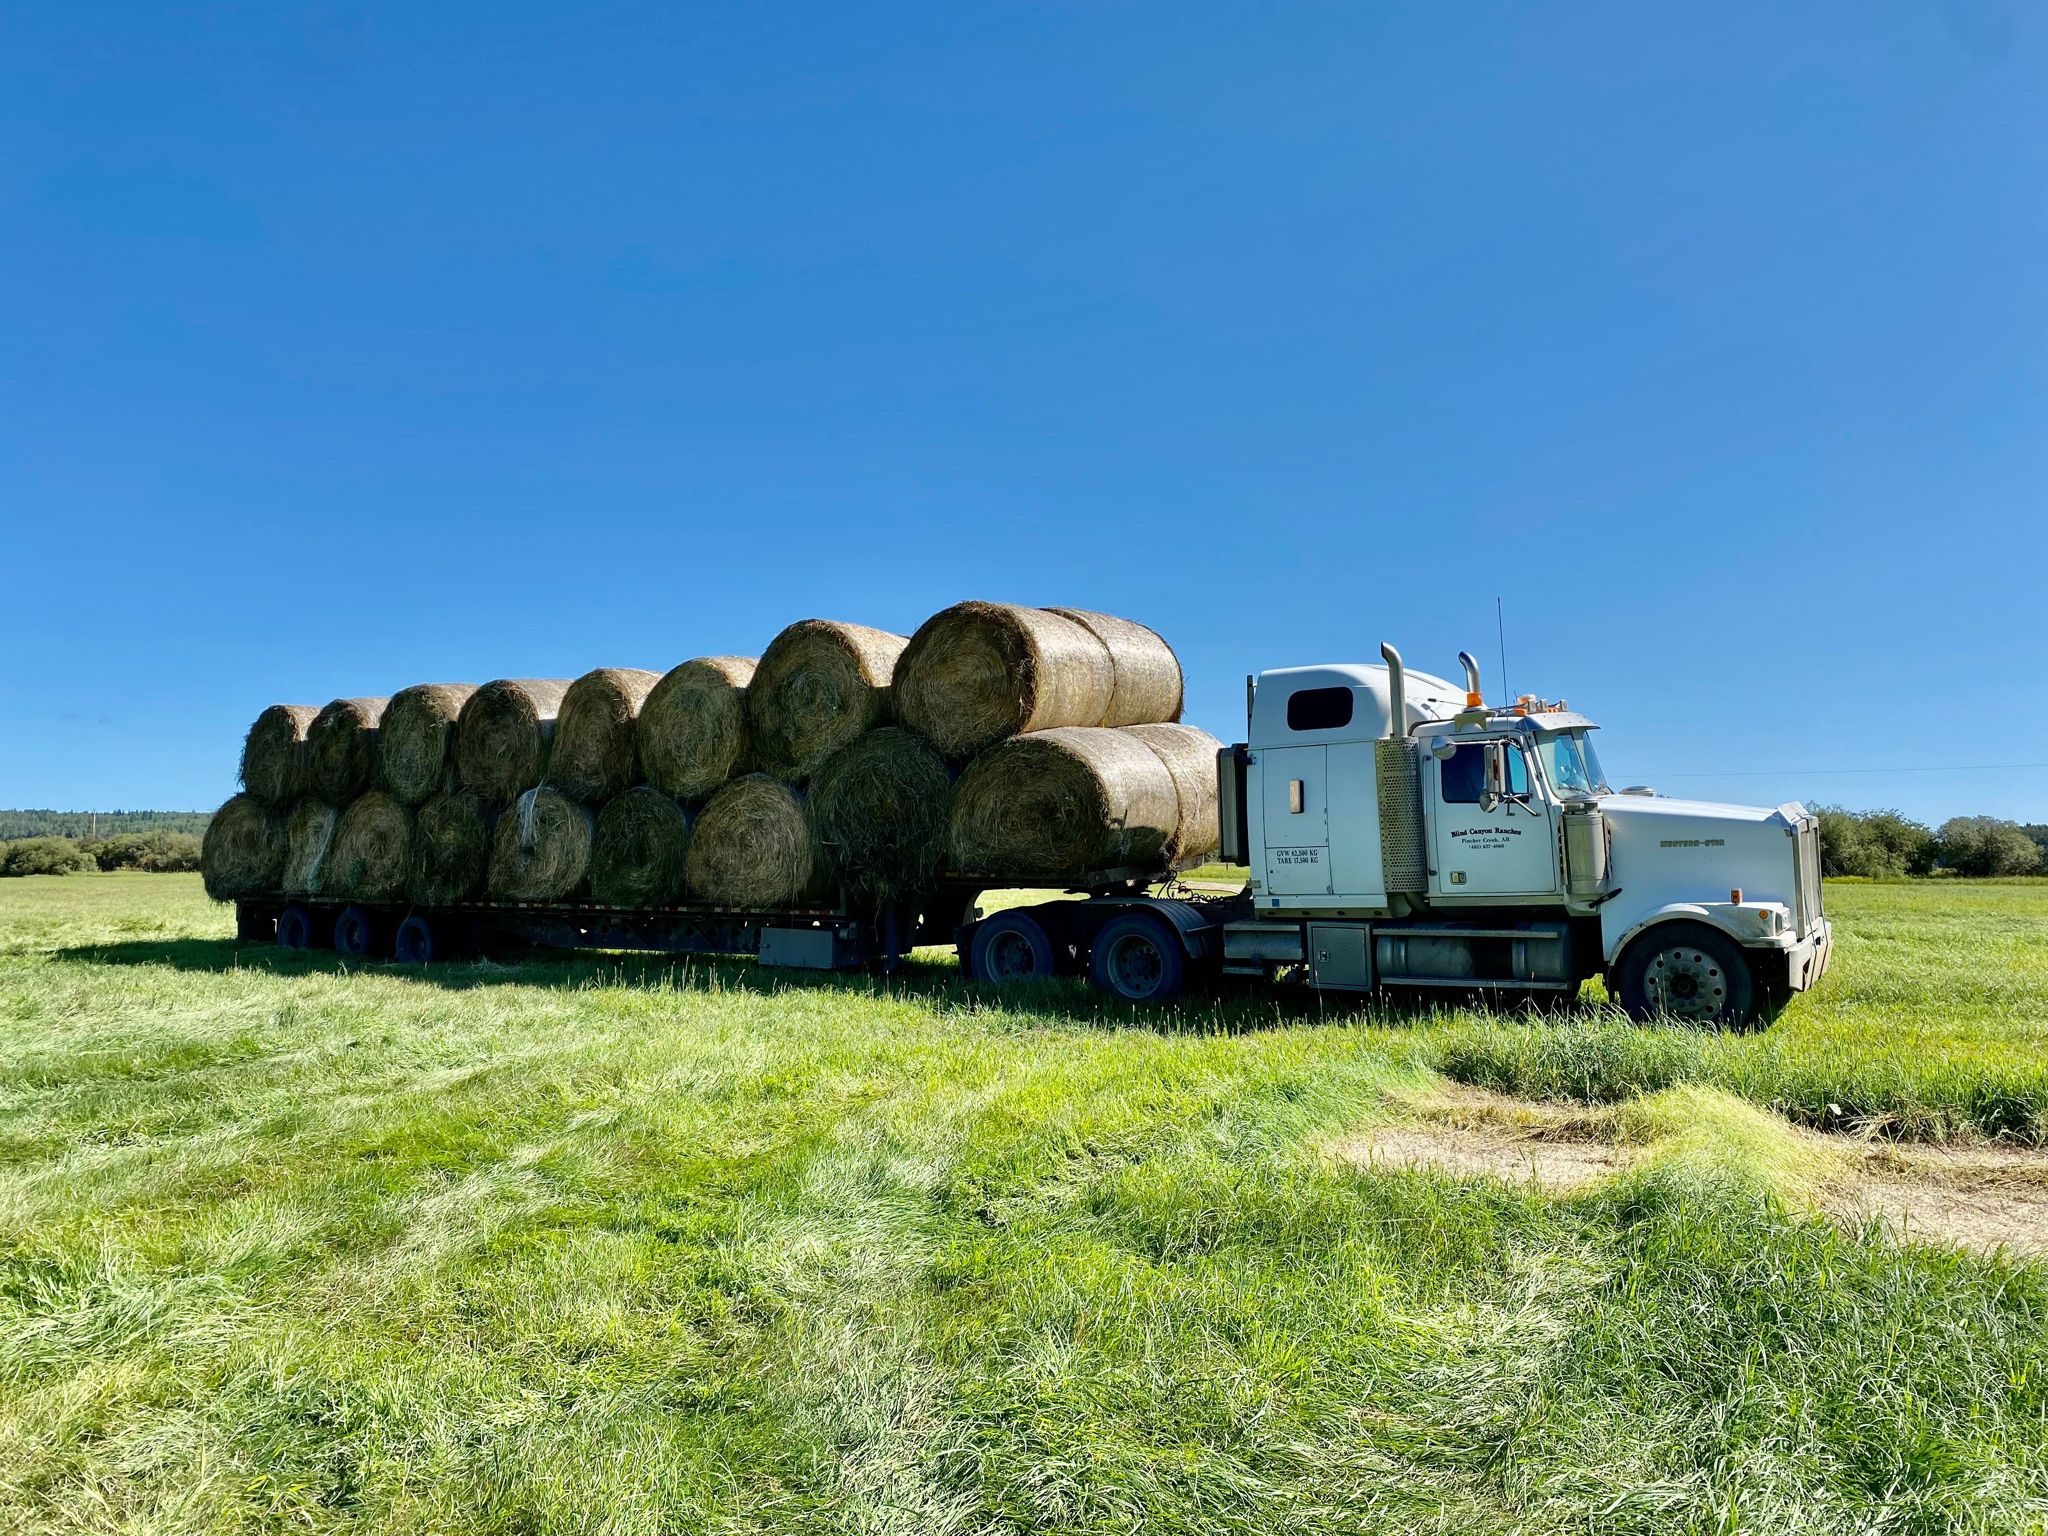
(416, 942)
(356, 934)
(1139, 957)
(295, 926)
(1688, 972)
(1011, 947)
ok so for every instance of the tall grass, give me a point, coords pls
(630, 1246)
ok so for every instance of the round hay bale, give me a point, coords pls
(372, 850)
(274, 754)
(309, 836)
(881, 808)
(753, 847)
(1190, 756)
(503, 733)
(416, 740)
(1147, 682)
(341, 749)
(638, 855)
(1056, 805)
(978, 672)
(451, 850)
(692, 731)
(243, 853)
(820, 686)
(540, 850)
(593, 757)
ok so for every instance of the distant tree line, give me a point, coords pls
(1884, 845)
(91, 825)
(151, 852)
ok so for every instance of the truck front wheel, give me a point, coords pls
(1140, 958)
(1691, 973)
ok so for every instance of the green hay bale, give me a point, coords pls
(881, 806)
(540, 850)
(593, 757)
(753, 847)
(640, 852)
(451, 850)
(309, 838)
(416, 740)
(979, 672)
(372, 850)
(820, 686)
(1056, 805)
(244, 850)
(503, 735)
(692, 732)
(341, 749)
(274, 754)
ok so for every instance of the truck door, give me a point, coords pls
(1508, 851)
(1297, 820)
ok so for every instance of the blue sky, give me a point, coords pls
(347, 347)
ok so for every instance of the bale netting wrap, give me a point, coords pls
(341, 749)
(978, 672)
(692, 731)
(753, 847)
(309, 838)
(540, 850)
(593, 757)
(243, 853)
(451, 850)
(639, 852)
(416, 740)
(1190, 756)
(820, 686)
(372, 851)
(1060, 804)
(274, 754)
(502, 735)
(881, 809)
(1147, 683)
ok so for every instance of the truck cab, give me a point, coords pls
(1413, 836)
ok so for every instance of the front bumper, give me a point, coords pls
(1807, 961)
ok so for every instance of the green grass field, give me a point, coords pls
(608, 1244)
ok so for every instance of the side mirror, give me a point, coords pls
(1442, 748)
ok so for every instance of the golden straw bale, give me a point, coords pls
(1060, 804)
(593, 757)
(1190, 756)
(416, 740)
(639, 854)
(372, 849)
(244, 850)
(540, 850)
(503, 734)
(451, 850)
(274, 754)
(881, 806)
(820, 686)
(692, 730)
(309, 834)
(753, 847)
(341, 749)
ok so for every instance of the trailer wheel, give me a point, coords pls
(1688, 972)
(416, 943)
(1011, 947)
(1140, 958)
(295, 926)
(355, 934)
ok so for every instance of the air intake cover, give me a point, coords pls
(1400, 787)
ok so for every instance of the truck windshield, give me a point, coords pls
(1569, 759)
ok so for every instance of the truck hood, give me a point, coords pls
(1673, 851)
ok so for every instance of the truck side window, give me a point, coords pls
(1518, 771)
(1319, 709)
(1464, 775)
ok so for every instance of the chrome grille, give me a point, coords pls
(1806, 849)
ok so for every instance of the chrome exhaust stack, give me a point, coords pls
(1397, 689)
(1472, 695)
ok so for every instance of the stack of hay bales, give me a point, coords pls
(1003, 743)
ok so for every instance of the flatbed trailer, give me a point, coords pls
(832, 934)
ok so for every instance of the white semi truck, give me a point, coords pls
(1402, 834)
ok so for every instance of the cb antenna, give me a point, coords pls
(1500, 628)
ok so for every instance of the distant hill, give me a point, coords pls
(15, 824)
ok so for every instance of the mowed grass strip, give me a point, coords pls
(604, 1245)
